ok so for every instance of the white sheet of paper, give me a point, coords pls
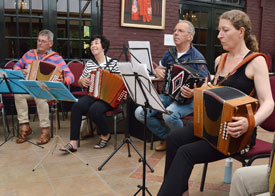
(134, 90)
(168, 40)
(143, 56)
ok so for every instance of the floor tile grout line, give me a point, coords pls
(46, 173)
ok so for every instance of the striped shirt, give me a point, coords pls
(55, 59)
(91, 65)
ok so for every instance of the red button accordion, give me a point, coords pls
(177, 76)
(107, 86)
(214, 108)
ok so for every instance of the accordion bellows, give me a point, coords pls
(214, 108)
(107, 86)
(43, 71)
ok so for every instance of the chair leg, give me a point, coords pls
(52, 117)
(152, 141)
(115, 132)
(4, 118)
(58, 119)
(203, 176)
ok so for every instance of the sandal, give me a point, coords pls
(23, 135)
(68, 147)
(44, 137)
(102, 143)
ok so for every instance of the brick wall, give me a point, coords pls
(121, 35)
(261, 13)
(262, 16)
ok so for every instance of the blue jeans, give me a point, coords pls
(171, 122)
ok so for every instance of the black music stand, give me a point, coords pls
(143, 93)
(52, 91)
(142, 56)
(10, 81)
(127, 140)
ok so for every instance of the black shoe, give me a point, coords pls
(102, 143)
(68, 147)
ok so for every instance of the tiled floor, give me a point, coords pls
(64, 175)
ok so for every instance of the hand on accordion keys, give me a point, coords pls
(25, 72)
(238, 126)
(85, 82)
(160, 72)
(61, 79)
(187, 92)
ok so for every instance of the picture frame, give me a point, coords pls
(148, 14)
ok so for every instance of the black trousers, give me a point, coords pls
(184, 150)
(95, 110)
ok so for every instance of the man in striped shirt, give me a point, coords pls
(42, 53)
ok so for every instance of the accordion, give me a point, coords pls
(43, 71)
(176, 76)
(214, 108)
(107, 86)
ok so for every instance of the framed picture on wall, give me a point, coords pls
(143, 14)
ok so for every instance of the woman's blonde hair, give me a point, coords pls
(241, 19)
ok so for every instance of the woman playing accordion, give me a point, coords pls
(88, 105)
(184, 150)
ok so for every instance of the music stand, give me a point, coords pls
(141, 55)
(127, 140)
(10, 84)
(143, 93)
(52, 91)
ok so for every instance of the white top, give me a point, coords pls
(91, 65)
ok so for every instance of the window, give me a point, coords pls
(205, 17)
(74, 28)
(71, 21)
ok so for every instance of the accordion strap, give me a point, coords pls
(243, 62)
(192, 61)
(251, 126)
(221, 64)
(246, 60)
(48, 55)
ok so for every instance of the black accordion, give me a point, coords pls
(214, 107)
(177, 76)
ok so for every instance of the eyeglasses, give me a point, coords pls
(42, 41)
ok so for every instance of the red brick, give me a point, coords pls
(121, 35)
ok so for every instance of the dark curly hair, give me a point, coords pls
(104, 42)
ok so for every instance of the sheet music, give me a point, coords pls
(48, 90)
(10, 81)
(142, 53)
(134, 89)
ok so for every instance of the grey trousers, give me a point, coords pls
(250, 181)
